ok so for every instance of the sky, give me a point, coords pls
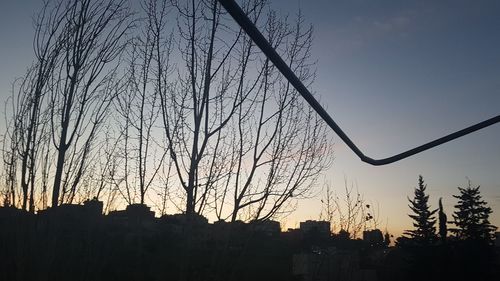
(393, 75)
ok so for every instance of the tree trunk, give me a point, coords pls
(59, 170)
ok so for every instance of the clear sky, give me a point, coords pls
(393, 74)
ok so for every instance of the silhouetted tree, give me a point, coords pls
(279, 145)
(328, 207)
(101, 182)
(348, 211)
(139, 106)
(84, 84)
(9, 157)
(472, 216)
(64, 98)
(28, 126)
(423, 220)
(443, 220)
(387, 239)
(241, 142)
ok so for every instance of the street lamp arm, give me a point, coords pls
(240, 17)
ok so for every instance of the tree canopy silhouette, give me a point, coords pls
(472, 216)
(170, 103)
(443, 219)
(423, 218)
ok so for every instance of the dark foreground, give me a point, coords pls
(78, 243)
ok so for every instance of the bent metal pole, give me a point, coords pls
(240, 17)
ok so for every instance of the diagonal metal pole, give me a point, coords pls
(240, 17)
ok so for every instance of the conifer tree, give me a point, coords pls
(472, 216)
(387, 239)
(423, 218)
(443, 230)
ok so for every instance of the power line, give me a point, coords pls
(240, 17)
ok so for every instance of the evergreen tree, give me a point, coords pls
(423, 219)
(471, 216)
(387, 239)
(443, 230)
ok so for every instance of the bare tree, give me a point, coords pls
(282, 145)
(9, 157)
(235, 136)
(239, 137)
(199, 105)
(349, 212)
(64, 96)
(328, 206)
(139, 106)
(28, 120)
(83, 86)
(103, 166)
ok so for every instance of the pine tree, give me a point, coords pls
(471, 216)
(387, 239)
(443, 230)
(423, 219)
